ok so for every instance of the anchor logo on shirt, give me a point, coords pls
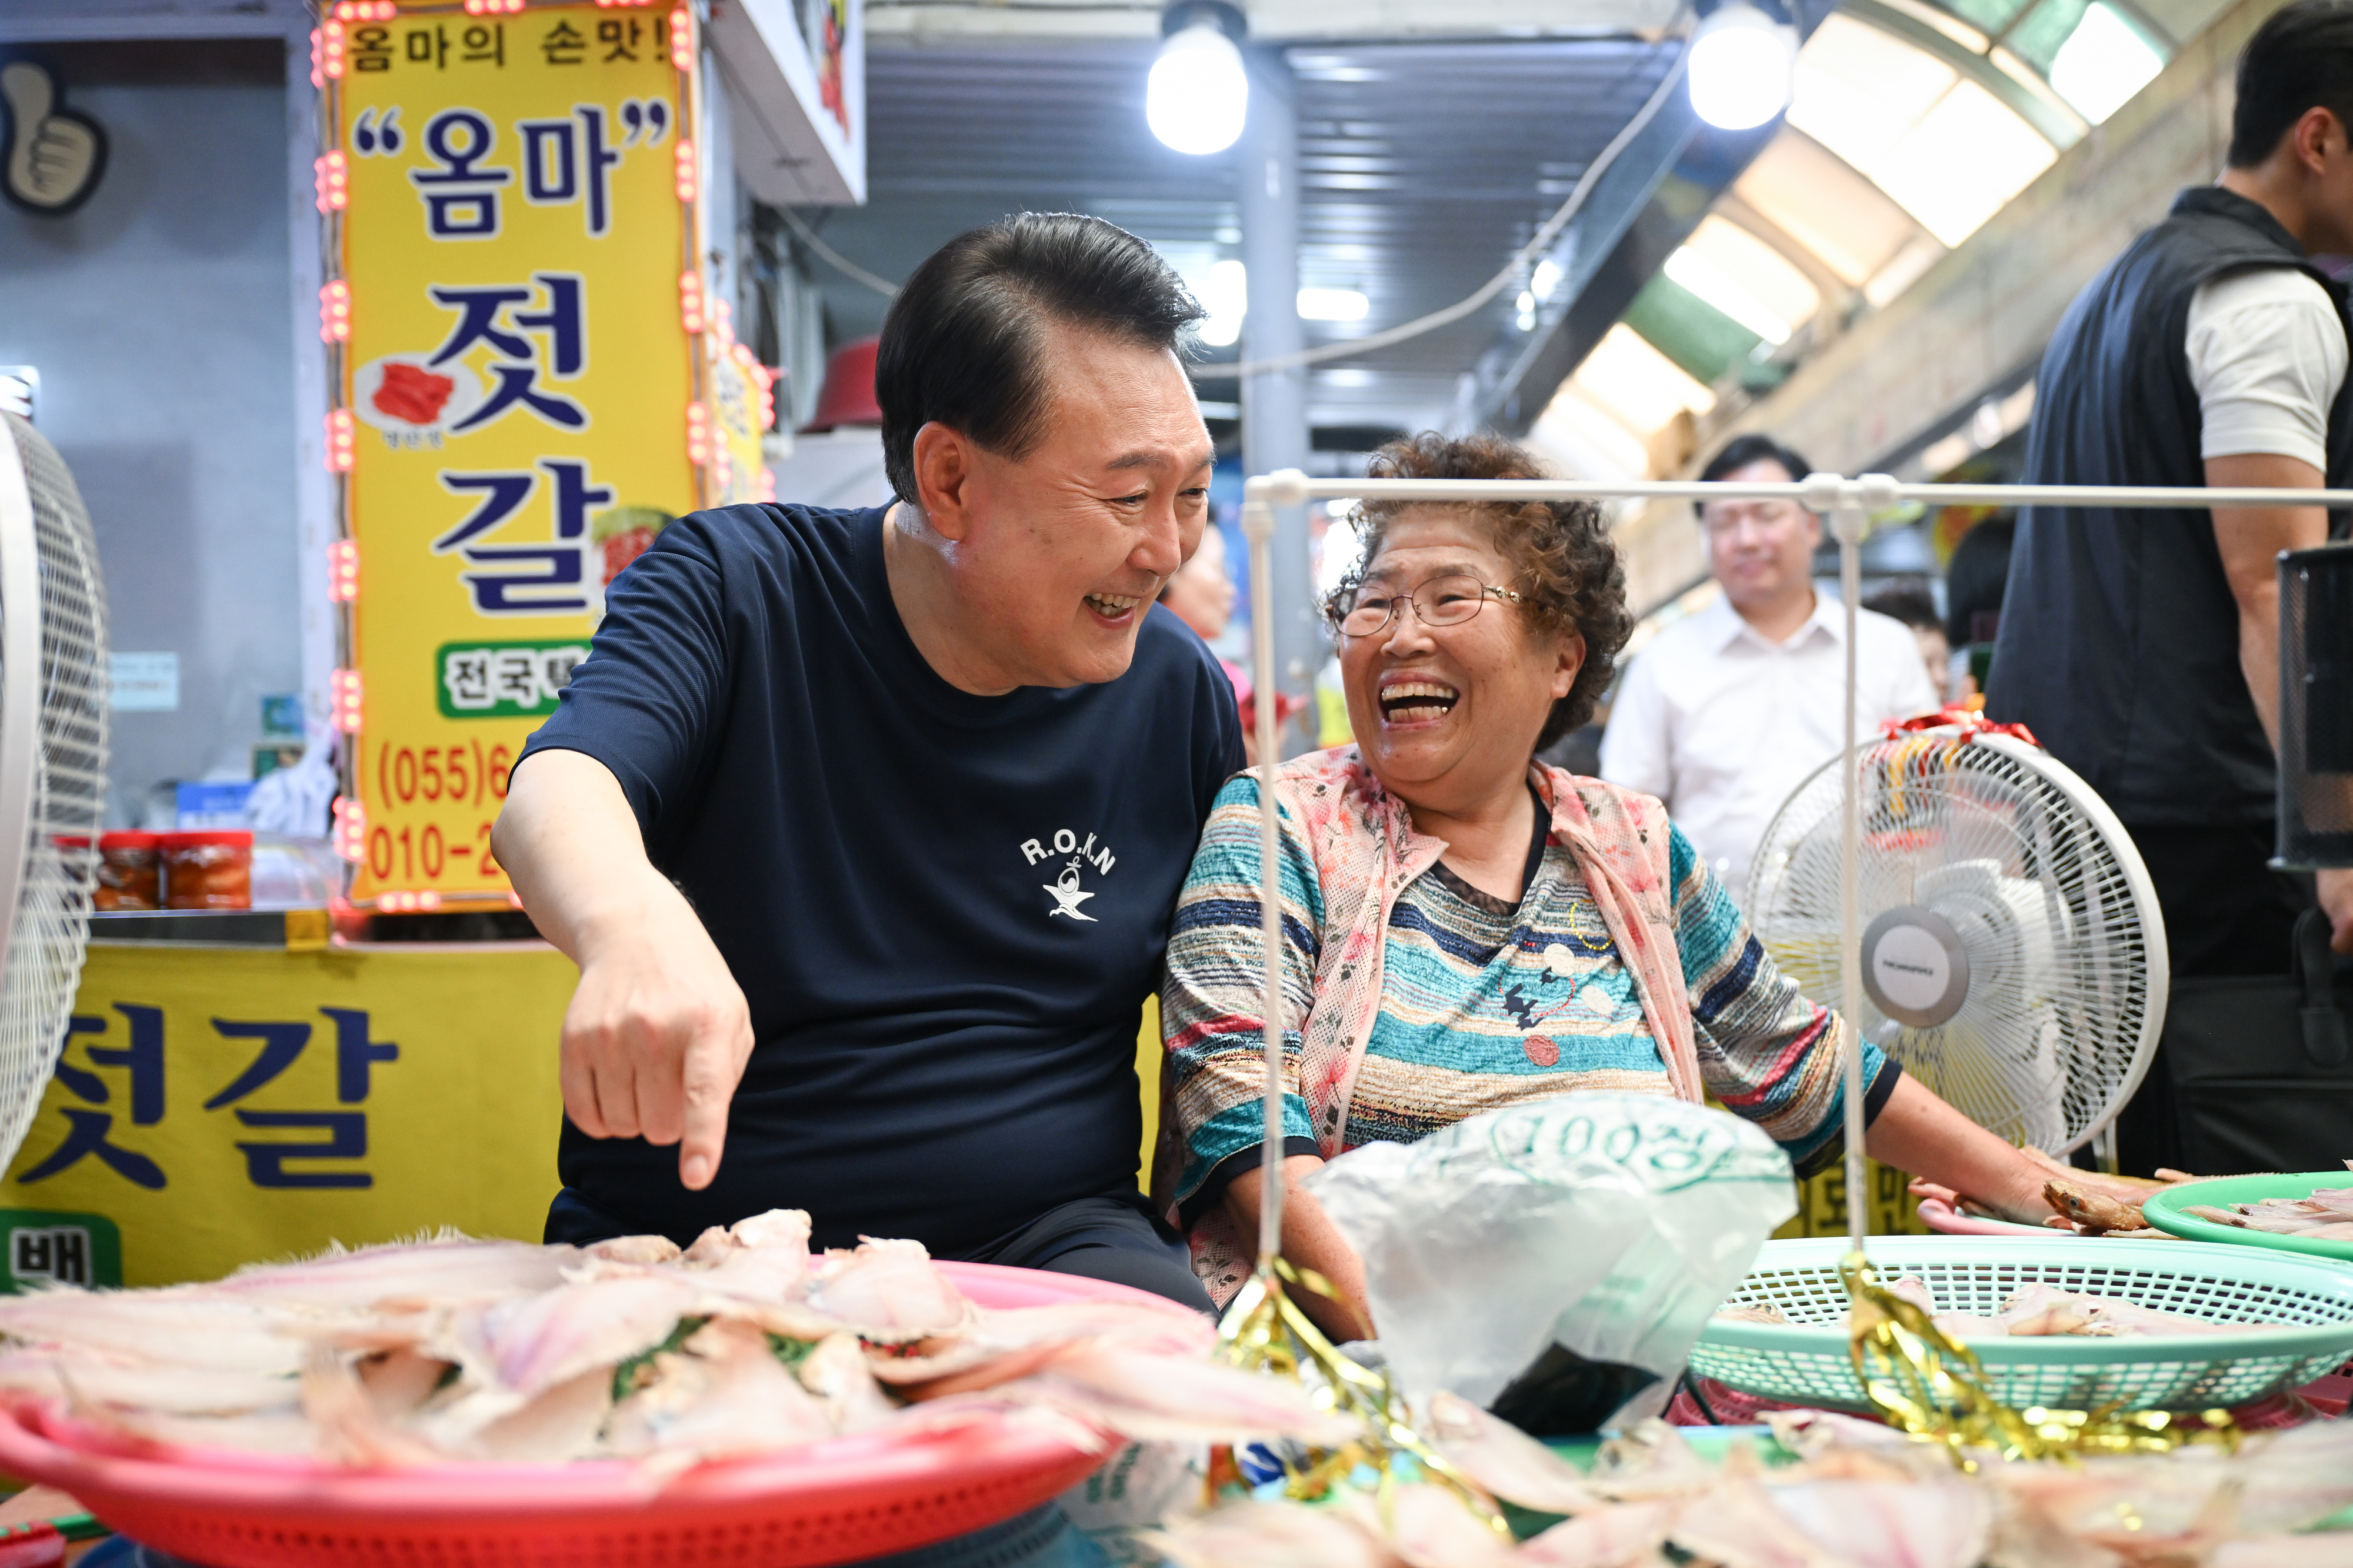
(1067, 896)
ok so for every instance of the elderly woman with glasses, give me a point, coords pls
(1464, 929)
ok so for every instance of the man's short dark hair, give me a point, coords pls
(963, 343)
(1746, 449)
(2300, 59)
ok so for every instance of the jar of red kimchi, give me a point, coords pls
(208, 868)
(129, 872)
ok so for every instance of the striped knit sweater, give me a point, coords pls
(1484, 1004)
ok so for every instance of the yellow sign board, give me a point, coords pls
(214, 1107)
(525, 350)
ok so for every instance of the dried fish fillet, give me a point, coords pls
(451, 1349)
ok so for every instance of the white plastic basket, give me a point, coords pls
(2299, 1310)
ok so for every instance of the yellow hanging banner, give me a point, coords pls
(217, 1106)
(524, 352)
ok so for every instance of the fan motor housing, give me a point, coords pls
(1913, 966)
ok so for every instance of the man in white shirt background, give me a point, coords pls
(2143, 647)
(1727, 711)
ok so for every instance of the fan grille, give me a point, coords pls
(69, 783)
(2066, 976)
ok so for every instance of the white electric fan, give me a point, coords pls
(2013, 956)
(53, 702)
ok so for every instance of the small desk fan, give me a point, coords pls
(2013, 956)
(53, 711)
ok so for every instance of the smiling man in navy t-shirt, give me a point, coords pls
(865, 827)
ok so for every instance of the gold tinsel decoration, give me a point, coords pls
(1263, 1329)
(1927, 1384)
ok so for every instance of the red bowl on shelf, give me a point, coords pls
(834, 1501)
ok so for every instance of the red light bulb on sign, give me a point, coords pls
(343, 571)
(698, 433)
(335, 312)
(681, 38)
(690, 300)
(344, 697)
(343, 436)
(688, 182)
(331, 173)
(350, 829)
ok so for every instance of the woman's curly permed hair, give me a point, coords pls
(1564, 559)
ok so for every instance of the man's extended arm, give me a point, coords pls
(2250, 539)
(658, 1033)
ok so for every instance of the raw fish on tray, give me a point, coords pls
(2327, 1215)
(1859, 1496)
(453, 1348)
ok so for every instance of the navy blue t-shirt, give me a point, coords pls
(946, 911)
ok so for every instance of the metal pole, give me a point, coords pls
(1274, 402)
(1848, 522)
(1258, 527)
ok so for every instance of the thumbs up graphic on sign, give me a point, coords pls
(54, 156)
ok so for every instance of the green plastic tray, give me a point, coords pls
(2303, 1305)
(2164, 1208)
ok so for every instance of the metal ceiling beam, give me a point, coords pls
(1271, 21)
(2040, 107)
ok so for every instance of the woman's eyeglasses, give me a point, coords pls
(1441, 601)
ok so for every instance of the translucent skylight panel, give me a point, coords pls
(1761, 272)
(1990, 16)
(1962, 163)
(1640, 386)
(1851, 225)
(2037, 40)
(1857, 88)
(2104, 62)
(1903, 272)
(1585, 442)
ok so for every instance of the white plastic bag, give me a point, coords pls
(1612, 1225)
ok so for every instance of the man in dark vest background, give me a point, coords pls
(2142, 647)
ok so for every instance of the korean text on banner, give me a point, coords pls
(516, 197)
(214, 1107)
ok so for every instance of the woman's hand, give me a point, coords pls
(1310, 1240)
(2120, 1189)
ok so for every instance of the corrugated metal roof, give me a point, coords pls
(1422, 166)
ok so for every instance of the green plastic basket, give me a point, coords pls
(2307, 1307)
(2164, 1211)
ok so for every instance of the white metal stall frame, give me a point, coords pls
(1849, 503)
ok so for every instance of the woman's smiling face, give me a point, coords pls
(1448, 715)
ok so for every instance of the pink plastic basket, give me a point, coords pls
(1946, 1220)
(828, 1502)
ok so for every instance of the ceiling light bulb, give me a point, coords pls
(1198, 94)
(1739, 65)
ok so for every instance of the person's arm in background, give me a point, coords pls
(657, 1031)
(1637, 752)
(2267, 355)
(2250, 539)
